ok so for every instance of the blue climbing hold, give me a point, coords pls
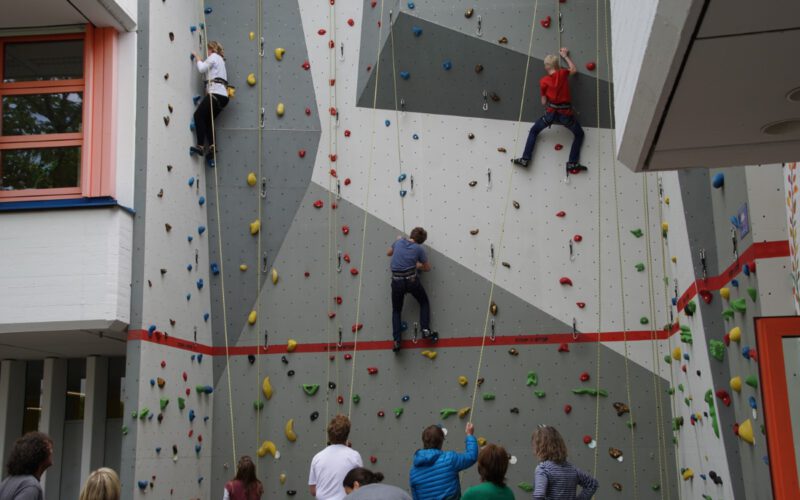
(188, 296)
(674, 301)
(190, 182)
(718, 180)
(142, 484)
(403, 193)
(199, 358)
(406, 398)
(411, 5)
(206, 316)
(746, 269)
(197, 448)
(735, 283)
(202, 26)
(199, 479)
(190, 238)
(387, 123)
(746, 352)
(207, 389)
(189, 267)
(735, 221)
(415, 137)
(151, 329)
(158, 450)
(150, 416)
(192, 357)
(192, 28)
(200, 284)
(752, 402)
(191, 415)
(401, 178)
(208, 10)
(447, 64)
(686, 356)
(205, 419)
(195, 99)
(214, 268)
(416, 30)
(191, 125)
(201, 229)
(152, 382)
(405, 75)
(201, 200)
(703, 477)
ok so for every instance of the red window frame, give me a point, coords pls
(96, 139)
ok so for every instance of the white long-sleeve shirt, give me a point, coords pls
(214, 65)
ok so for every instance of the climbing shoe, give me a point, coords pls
(197, 150)
(430, 335)
(396, 347)
(210, 151)
(576, 168)
(426, 334)
(522, 162)
(435, 337)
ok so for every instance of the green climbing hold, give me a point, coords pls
(668, 359)
(533, 379)
(680, 387)
(686, 334)
(639, 267)
(539, 394)
(707, 497)
(712, 411)
(687, 401)
(143, 413)
(677, 423)
(356, 399)
(716, 349)
(727, 314)
(527, 487)
(181, 403)
(644, 320)
(163, 402)
(631, 424)
(739, 305)
(258, 404)
(671, 391)
(753, 293)
(590, 391)
(310, 389)
(488, 396)
(690, 308)
(752, 381)
(124, 430)
(637, 232)
(134, 414)
(447, 412)
(655, 487)
(398, 411)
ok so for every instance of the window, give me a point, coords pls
(56, 115)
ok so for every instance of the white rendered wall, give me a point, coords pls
(64, 269)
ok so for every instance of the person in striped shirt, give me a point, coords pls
(557, 479)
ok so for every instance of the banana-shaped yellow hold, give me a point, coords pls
(252, 317)
(266, 388)
(268, 447)
(289, 430)
(279, 53)
(274, 276)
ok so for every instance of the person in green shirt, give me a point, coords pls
(492, 466)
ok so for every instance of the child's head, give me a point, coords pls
(493, 464)
(549, 445)
(551, 62)
(339, 429)
(432, 437)
(215, 46)
(419, 235)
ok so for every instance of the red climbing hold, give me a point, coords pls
(753, 354)
(345, 230)
(301, 153)
(318, 204)
(369, 68)
(373, 3)
(346, 258)
(584, 376)
(357, 328)
(590, 66)
(577, 238)
(723, 395)
(306, 274)
(334, 206)
(321, 32)
(191, 432)
(706, 296)
(381, 413)
(379, 24)
(332, 157)
(199, 438)
(736, 429)
(561, 213)
(354, 271)
(350, 22)
(331, 357)
(340, 400)
(332, 111)
(567, 409)
(333, 172)
(185, 376)
(306, 65)
(726, 339)
(563, 347)
(558, 147)
(565, 281)
(546, 22)
(308, 111)
(338, 299)
(163, 364)
(587, 439)
(347, 133)
(188, 391)
(331, 314)
(372, 370)
(332, 81)
(330, 46)
(347, 181)
(580, 304)
(683, 368)
(348, 356)
(373, 459)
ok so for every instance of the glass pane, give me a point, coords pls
(76, 380)
(42, 113)
(40, 168)
(116, 377)
(35, 61)
(791, 359)
(34, 372)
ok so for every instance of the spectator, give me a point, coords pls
(331, 465)
(245, 486)
(492, 467)
(102, 484)
(434, 475)
(31, 455)
(557, 479)
(363, 484)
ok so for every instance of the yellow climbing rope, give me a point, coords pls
(505, 213)
(397, 122)
(259, 202)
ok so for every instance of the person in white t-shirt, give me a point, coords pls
(215, 99)
(331, 465)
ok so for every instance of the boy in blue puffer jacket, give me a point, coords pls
(434, 475)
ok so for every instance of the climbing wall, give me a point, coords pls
(735, 255)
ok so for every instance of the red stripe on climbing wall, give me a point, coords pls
(385, 345)
(756, 251)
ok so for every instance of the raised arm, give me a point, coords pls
(202, 66)
(565, 54)
(470, 456)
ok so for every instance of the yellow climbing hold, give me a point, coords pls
(687, 474)
(462, 380)
(481, 441)
(280, 109)
(674, 259)
(268, 447)
(664, 227)
(666, 200)
(252, 36)
(266, 388)
(243, 267)
(252, 317)
(463, 412)
(725, 293)
(429, 354)
(735, 334)
(746, 432)
(291, 345)
(251, 79)
(676, 354)
(255, 227)
(251, 179)
(289, 430)
(279, 53)
(274, 275)
(282, 478)
(736, 384)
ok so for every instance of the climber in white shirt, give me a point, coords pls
(214, 100)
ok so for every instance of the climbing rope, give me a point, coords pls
(504, 217)
(219, 249)
(261, 186)
(366, 212)
(397, 127)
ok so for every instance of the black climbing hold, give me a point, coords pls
(478, 68)
(470, 136)
(331, 385)
(284, 360)
(169, 107)
(473, 183)
(493, 96)
(468, 13)
(314, 416)
(169, 168)
(171, 36)
(166, 76)
(480, 381)
(166, 120)
(515, 410)
(251, 358)
(174, 449)
(163, 271)
(290, 373)
(516, 204)
(291, 493)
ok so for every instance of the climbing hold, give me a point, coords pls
(753, 293)
(564, 347)
(637, 232)
(266, 388)
(585, 378)
(591, 391)
(718, 180)
(288, 429)
(318, 204)
(539, 394)
(727, 314)
(745, 432)
(502, 40)
(274, 276)
(706, 296)
(739, 305)
(255, 227)
(752, 381)
(616, 486)
(462, 380)
(591, 66)
(280, 109)
(429, 354)
(415, 137)
(161, 382)
(558, 147)
(690, 308)
(306, 65)
(615, 453)
(736, 384)
(716, 349)
(686, 334)
(526, 487)
(687, 474)
(643, 320)
(488, 396)
(723, 395)
(258, 405)
(621, 408)
(735, 334)
(447, 64)
(405, 75)
(513, 351)
(473, 232)
(493, 308)
(567, 409)
(639, 267)
(447, 412)
(252, 317)
(372, 370)
(251, 79)
(561, 213)
(357, 327)
(565, 281)
(310, 389)
(532, 379)
(268, 447)
(142, 484)
(201, 201)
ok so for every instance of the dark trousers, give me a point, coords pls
(202, 117)
(400, 287)
(544, 122)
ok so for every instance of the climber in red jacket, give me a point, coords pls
(558, 109)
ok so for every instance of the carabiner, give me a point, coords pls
(263, 187)
(492, 335)
(574, 329)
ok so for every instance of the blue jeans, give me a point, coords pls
(400, 287)
(544, 122)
